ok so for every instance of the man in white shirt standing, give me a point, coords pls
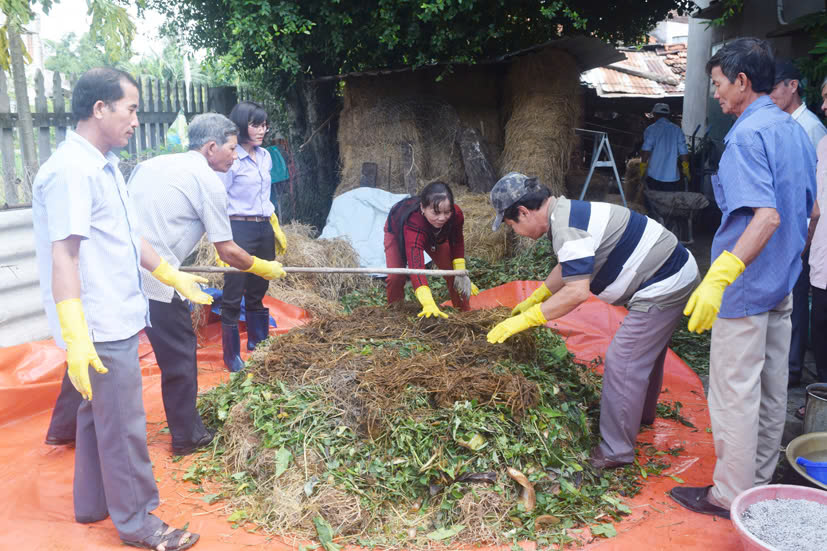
(786, 94)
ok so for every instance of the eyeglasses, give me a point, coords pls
(263, 125)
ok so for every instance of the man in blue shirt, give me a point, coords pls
(765, 188)
(663, 144)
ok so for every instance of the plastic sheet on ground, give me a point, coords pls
(36, 493)
(359, 216)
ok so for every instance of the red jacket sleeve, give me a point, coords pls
(415, 243)
(456, 239)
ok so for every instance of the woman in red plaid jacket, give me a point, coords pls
(432, 223)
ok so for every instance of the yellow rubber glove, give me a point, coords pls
(463, 284)
(80, 351)
(281, 239)
(429, 307)
(685, 169)
(184, 283)
(505, 329)
(642, 167)
(268, 269)
(539, 296)
(705, 301)
(219, 262)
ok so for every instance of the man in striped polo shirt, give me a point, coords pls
(622, 257)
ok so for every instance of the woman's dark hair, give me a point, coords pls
(247, 113)
(434, 194)
(99, 84)
(532, 200)
(751, 56)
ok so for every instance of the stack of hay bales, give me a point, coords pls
(543, 106)
(480, 241)
(393, 121)
(319, 294)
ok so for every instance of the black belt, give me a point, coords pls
(249, 219)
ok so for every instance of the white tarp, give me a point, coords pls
(359, 216)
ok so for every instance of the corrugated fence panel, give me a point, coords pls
(22, 318)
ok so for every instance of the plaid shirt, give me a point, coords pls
(420, 236)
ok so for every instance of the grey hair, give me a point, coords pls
(824, 83)
(210, 127)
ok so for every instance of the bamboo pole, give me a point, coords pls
(328, 270)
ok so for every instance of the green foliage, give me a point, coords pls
(814, 67)
(74, 55)
(692, 347)
(426, 451)
(731, 9)
(323, 37)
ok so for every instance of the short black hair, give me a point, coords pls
(751, 56)
(98, 84)
(245, 114)
(532, 200)
(435, 193)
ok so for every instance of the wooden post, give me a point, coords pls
(177, 97)
(159, 104)
(192, 99)
(41, 106)
(153, 139)
(141, 143)
(7, 146)
(60, 107)
(200, 98)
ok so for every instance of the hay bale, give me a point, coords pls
(406, 137)
(480, 241)
(543, 106)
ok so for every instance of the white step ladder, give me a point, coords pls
(601, 145)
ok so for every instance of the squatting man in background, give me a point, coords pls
(178, 198)
(765, 188)
(89, 256)
(622, 257)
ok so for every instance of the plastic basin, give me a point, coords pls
(813, 447)
(762, 493)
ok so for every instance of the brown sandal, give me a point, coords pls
(163, 538)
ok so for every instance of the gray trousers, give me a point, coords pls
(632, 378)
(748, 369)
(113, 473)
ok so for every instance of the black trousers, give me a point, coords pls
(819, 328)
(174, 343)
(258, 240)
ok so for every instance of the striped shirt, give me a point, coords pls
(628, 258)
(177, 199)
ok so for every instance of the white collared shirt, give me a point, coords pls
(177, 199)
(79, 191)
(812, 126)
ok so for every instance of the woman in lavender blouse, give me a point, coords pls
(255, 229)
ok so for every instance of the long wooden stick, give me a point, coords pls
(329, 270)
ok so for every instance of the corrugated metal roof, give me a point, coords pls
(642, 74)
(589, 52)
(22, 318)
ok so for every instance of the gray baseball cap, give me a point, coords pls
(508, 190)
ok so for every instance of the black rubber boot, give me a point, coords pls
(232, 347)
(258, 325)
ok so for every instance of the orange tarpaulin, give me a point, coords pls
(36, 509)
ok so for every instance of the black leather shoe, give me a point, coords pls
(186, 450)
(697, 499)
(55, 441)
(599, 461)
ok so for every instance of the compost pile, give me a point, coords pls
(385, 429)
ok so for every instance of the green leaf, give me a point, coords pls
(676, 479)
(445, 533)
(325, 533)
(241, 514)
(211, 498)
(283, 457)
(605, 530)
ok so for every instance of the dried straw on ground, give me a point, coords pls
(544, 106)
(316, 293)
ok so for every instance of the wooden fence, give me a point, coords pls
(160, 102)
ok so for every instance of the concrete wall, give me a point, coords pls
(22, 318)
(759, 18)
